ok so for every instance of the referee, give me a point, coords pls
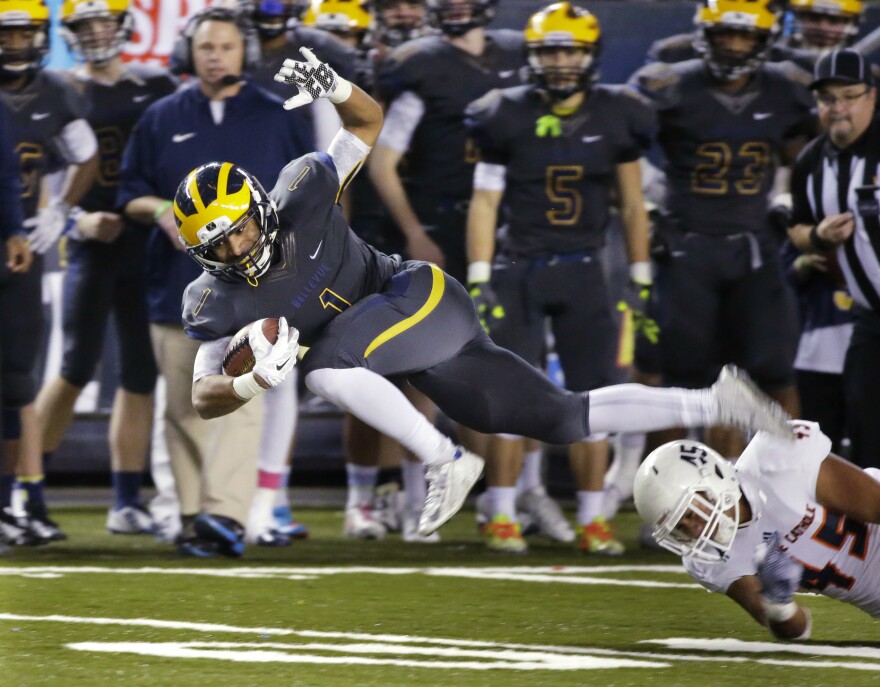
(836, 213)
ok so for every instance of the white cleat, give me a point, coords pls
(448, 486)
(545, 513)
(410, 530)
(361, 524)
(130, 520)
(743, 405)
(388, 506)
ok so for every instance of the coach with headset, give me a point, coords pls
(214, 118)
(836, 213)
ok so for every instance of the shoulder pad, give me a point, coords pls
(791, 72)
(506, 38)
(486, 105)
(657, 80)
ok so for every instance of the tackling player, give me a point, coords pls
(787, 516)
(105, 258)
(366, 316)
(554, 152)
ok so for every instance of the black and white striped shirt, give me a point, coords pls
(826, 181)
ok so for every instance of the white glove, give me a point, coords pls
(273, 361)
(314, 79)
(47, 225)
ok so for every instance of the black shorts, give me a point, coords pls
(570, 290)
(724, 300)
(21, 334)
(104, 278)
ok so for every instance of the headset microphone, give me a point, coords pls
(230, 79)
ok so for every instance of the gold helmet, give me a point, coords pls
(562, 25)
(758, 18)
(350, 18)
(96, 45)
(825, 24)
(23, 15)
(215, 201)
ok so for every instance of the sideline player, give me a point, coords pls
(788, 515)
(105, 270)
(366, 316)
(553, 153)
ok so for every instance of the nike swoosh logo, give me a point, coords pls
(317, 250)
(140, 98)
(762, 115)
(180, 138)
(592, 139)
(36, 116)
(507, 73)
(280, 365)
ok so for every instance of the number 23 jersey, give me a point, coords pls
(841, 556)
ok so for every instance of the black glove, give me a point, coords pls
(489, 310)
(635, 300)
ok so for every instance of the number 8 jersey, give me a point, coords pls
(841, 556)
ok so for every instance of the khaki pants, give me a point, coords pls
(214, 461)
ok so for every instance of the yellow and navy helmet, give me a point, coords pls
(92, 47)
(19, 61)
(457, 17)
(562, 25)
(760, 18)
(342, 17)
(825, 24)
(215, 201)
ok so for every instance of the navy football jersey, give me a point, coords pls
(320, 267)
(560, 169)
(446, 79)
(721, 148)
(38, 113)
(114, 109)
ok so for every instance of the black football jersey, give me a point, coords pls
(721, 148)
(560, 170)
(114, 109)
(446, 79)
(680, 47)
(320, 269)
(38, 113)
(326, 48)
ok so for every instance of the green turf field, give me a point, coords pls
(102, 610)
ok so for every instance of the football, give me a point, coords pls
(238, 359)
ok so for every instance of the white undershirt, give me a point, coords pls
(401, 120)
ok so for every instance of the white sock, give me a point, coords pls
(279, 425)
(638, 408)
(376, 401)
(261, 505)
(628, 450)
(530, 476)
(502, 501)
(414, 486)
(589, 506)
(361, 484)
(282, 499)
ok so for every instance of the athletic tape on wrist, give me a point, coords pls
(479, 271)
(341, 93)
(247, 386)
(779, 613)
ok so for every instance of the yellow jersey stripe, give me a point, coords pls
(438, 286)
(348, 178)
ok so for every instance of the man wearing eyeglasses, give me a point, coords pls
(836, 213)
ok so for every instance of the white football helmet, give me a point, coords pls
(689, 477)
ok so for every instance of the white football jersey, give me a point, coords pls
(841, 557)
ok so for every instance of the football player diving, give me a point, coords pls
(786, 516)
(362, 316)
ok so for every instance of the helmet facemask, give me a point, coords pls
(718, 528)
(399, 29)
(97, 36)
(271, 18)
(457, 17)
(726, 65)
(820, 30)
(559, 81)
(22, 60)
